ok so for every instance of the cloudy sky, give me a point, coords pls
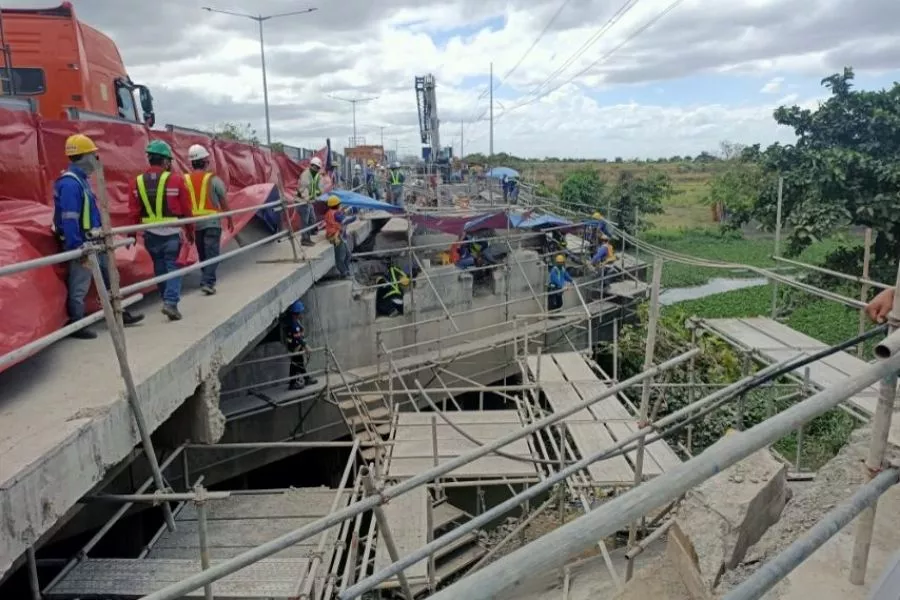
(587, 78)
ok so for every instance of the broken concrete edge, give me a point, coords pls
(720, 520)
(37, 496)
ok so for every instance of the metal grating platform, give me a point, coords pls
(412, 451)
(566, 380)
(234, 525)
(407, 516)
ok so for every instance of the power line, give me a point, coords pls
(595, 37)
(599, 61)
(530, 48)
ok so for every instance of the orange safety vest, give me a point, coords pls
(200, 203)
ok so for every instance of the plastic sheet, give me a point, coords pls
(32, 303)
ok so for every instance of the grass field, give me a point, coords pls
(690, 183)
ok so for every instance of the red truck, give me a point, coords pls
(48, 55)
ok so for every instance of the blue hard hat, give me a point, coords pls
(297, 307)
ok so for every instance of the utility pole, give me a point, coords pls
(262, 50)
(462, 150)
(353, 102)
(491, 151)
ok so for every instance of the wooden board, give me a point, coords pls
(777, 342)
(408, 520)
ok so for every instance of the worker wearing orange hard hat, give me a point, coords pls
(335, 222)
(308, 190)
(76, 220)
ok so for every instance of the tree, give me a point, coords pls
(646, 194)
(582, 190)
(737, 190)
(843, 170)
(238, 132)
(730, 150)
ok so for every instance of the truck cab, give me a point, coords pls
(67, 66)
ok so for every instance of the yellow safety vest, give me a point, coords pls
(611, 254)
(314, 186)
(395, 283)
(157, 215)
(85, 204)
(395, 178)
(198, 204)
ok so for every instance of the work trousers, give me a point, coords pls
(389, 306)
(78, 284)
(209, 245)
(298, 367)
(397, 195)
(307, 219)
(164, 249)
(342, 258)
(554, 298)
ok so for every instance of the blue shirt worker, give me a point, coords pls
(605, 253)
(559, 277)
(294, 339)
(76, 220)
(396, 179)
(371, 181)
(596, 228)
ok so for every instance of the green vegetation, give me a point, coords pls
(842, 175)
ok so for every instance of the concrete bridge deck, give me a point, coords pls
(64, 419)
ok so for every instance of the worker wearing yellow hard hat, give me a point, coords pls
(594, 228)
(335, 222)
(559, 278)
(76, 220)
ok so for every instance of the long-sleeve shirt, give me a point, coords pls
(335, 221)
(559, 276)
(305, 187)
(69, 208)
(177, 199)
(603, 255)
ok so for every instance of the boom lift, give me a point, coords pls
(435, 157)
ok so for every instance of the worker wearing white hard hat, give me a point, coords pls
(308, 190)
(396, 179)
(356, 184)
(208, 196)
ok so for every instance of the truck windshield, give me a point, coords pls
(125, 102)
(25, 81)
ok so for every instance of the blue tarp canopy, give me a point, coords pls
(543, 221)
(354, 200)
(501, 172)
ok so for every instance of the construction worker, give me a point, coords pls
(335, 221)
(159, 197)
(357, 183)
(76, 219)
(309, 189)
(396, 179)
(371, 180)
(208, 196)
(474, 253)
(293, 336)
(512, 190)
(595, 229)
(559, 278)
(389, 294)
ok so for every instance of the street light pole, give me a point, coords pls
(262, 54)
(262, 50)
(353, 102)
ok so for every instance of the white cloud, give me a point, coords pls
(773, 86)
(204, 68)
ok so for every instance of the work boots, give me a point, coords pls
(171, 311)
(130, 318)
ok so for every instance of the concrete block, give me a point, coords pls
(721, 519)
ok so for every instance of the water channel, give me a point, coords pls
(714, 286)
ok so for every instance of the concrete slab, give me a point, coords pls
(722, 518)
(63, 417)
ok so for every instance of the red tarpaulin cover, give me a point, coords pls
(32, 303)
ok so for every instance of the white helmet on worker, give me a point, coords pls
(197, 152)
(315, 162)
(395, 165)
(357, 168)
